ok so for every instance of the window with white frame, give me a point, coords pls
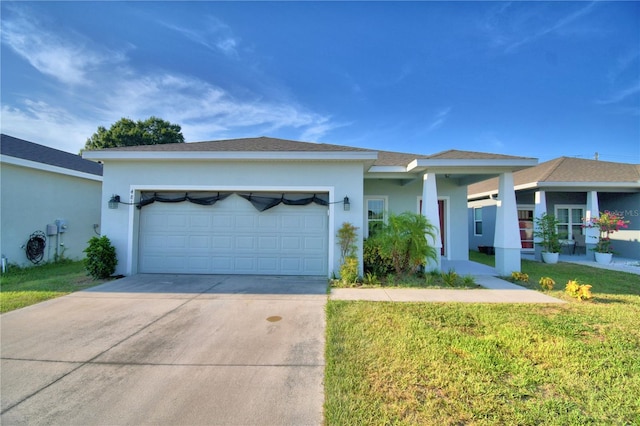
(477, 220)
(376, 208)
(525, 223)
(569, 220)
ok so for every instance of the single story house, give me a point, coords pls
(273, 206)
(49, 195)
(571, 189)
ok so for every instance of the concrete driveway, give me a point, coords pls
(169, 349)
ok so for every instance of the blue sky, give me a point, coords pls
(533, 79)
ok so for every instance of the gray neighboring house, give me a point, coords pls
(572, 189)
(48, 190)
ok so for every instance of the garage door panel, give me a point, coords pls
(233, 237)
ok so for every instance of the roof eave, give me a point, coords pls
(231, 155)
(507, 164)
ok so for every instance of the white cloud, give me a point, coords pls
(216, 36)
(65, 59)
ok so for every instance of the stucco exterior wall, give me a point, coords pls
(406, 197)
(626, 242)
(31, 199)
(127, 178)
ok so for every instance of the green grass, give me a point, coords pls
(432, 363)
(21, 287)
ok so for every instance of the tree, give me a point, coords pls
(126, 132)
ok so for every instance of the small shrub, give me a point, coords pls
(450, 278)
(577, 290)
(469, 281)
(519, 276)
(101, 258)
(349, 270)
(371, 279)
(347, 237)
(373, 259)
(547, 283)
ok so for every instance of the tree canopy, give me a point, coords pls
(126, 132)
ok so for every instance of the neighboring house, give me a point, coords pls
(573, 190)
(43, 186)
(322, 187)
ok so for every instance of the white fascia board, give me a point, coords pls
(593, 186)
(387, 169)
(48, 168)
(515, 164)
(232, 155)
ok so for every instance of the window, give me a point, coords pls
(477, 220)
(569, 221)
(375, 215)
(525, 222)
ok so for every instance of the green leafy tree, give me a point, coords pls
(101, 258)
(403, 240)
(126, 132)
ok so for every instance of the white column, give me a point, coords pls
(430, 211)
(591, 234)
(539, 209)
(507, 235)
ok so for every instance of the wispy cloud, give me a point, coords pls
(438, 119)
(67, 59)
(204, 109)
(510, 27)
(621, 95)
(216, 36)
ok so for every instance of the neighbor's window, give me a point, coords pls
(569, 221)
(477, 220)
(375, 215)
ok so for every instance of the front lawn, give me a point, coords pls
(436, 363)
(21, 287)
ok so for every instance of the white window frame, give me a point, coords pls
(476, 221)
(570, 224)
(385, 209)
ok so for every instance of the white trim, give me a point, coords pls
(231, 155)
(365, 211)
(48, 168)
(134, 191)
(460, 162)
(475, 221)
(570, 207)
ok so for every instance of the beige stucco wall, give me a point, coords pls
(128, 178)
(31, 199)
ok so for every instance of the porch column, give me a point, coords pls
(591, 234)
(539, 209)
(430, 211)
(507, 236)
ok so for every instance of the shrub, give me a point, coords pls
(347, 236)
(371, 279)
(101, 258)
(374, 261)
(450, 277)
(577, 290)
(402, 241)
(547, 283)
(349, 270)
(519, 276)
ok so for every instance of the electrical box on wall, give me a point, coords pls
(62, 225)
(52, 229)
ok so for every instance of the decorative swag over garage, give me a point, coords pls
(261, 201)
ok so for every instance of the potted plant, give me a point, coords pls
(546, 229)
(607, 223)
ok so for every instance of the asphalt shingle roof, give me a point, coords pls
(19, 148)
(567, 169)
(267, 144)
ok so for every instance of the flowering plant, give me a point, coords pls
(607, 223)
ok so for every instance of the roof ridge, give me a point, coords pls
(558, 161)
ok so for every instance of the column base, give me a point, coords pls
(507, 261)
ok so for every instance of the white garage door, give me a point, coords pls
(232, 237)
